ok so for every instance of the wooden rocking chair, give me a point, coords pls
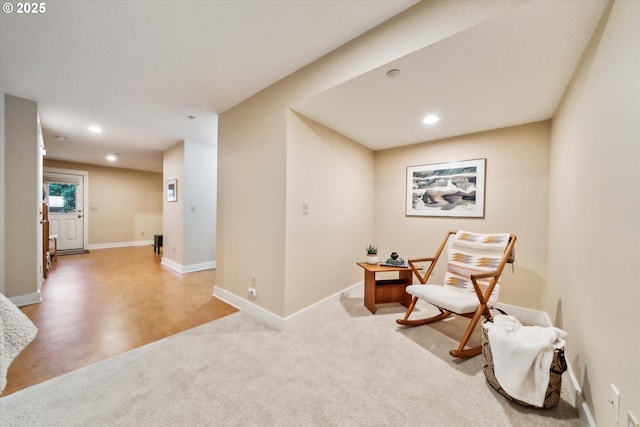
(471, 281)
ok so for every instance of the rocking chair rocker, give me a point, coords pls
(471, 281)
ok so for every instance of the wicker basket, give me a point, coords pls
(558, 366)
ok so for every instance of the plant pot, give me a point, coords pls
(372, 259)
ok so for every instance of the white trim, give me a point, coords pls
(120, 244)
(584, 414)
(27, 299)
(526, 315)
(171, 264)
(273, 319)
(190, 268)
(301, 314)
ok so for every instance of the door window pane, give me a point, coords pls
(62, 197)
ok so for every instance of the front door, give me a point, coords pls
(66, 216)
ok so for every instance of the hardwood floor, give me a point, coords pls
(107, 302)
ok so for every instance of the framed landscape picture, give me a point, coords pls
(452, 189)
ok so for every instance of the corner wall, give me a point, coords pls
(594, 231)
(515, 202)
(22, 184)
(253, 151)
(189, 223)
(173, 212)
(332, 176)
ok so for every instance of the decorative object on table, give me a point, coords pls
(395, 261)
(372, 254)
(16, 332)
(446, 189)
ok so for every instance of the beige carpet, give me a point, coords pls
(339, 365)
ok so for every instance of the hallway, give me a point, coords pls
(101, 304)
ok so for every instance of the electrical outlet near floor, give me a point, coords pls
(632, 421)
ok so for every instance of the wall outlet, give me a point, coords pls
(614, 401)
(632, 421)
(253, 292)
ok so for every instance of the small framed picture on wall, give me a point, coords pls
(172, 190)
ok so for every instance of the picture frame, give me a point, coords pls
(450, 189)
(172, 190)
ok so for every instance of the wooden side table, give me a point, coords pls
(385, 291)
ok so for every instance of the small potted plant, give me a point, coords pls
(372, 254)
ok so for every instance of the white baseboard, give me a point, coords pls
(188, 268)
(277, 322)
(120, 244)
(584, 414)
(27, 299)
(526, 315)
(271, 319)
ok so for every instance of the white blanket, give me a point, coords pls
(16, 332)
(522, 357)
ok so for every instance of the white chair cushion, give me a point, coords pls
(447, 297)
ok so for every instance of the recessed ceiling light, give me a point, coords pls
(94, 129)
(430, 119)
(113, 157)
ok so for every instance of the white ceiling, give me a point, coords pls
(510, 69)
(138, 69)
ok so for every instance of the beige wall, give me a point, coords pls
(515, 202)
(125, 205)
(251, 201)
(2, 197)
(594, 232)
(22, 214)
(253, 153)
(333, 176)
(173, 213)
(567, 191)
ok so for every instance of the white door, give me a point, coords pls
(66, 216)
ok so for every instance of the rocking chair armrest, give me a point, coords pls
(484, 297)
(485, 275)
(416, 269)
(422, 259)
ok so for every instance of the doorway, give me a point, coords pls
(65, 195)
